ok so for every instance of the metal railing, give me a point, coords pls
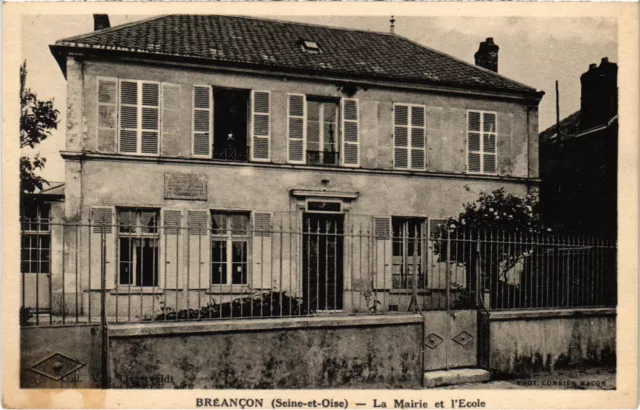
(316, 265)
(323, 157)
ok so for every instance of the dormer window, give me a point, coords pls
(309, 46)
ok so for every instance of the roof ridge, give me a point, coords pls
(466, 63)
(110, 29)
(297, 23)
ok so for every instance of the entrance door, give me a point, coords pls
(322, 265)
(451, 334)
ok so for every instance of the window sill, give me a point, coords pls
(236, 289)
(137, 290)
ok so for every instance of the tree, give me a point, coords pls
(487, 238)
(37, 119)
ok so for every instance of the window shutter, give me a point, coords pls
(261, 129)
(473, 141)
(489, 143)
(434, 133)
(102, 227)
(505, 125)
(107, 114)
(171, 246)
(383, 252)
(128, 116)
(262, 274)
(400, 136)
(150, 116)
(417, 137)
(350, 131)
(198, 249)
(296, 129)
(202, 127)
(170, 117)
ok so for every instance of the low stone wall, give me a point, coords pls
(524, 342)
(61, 357)
(351, 352)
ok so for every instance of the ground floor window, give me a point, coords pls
(229, 248)
(408, 244)
(35, 256)
(138, 246)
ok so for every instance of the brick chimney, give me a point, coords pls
(487, 55)
(100, 22)
(599, 102)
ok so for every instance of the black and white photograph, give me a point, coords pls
(341, 202)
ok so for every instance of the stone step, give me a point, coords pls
(438, 378)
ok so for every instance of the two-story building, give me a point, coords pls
(222, 155)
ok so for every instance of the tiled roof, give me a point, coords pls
(271, 43)
(568, 126)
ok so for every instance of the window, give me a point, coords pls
(409, 136)
(139, 117)
(407, 252)
(138, 243)
(309, 46)
(225, 120)
(36, 238)
(229, 248)
(323, 130)
(481, 142)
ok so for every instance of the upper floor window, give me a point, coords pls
(409, 136)
(481, 142)
(231, 124)
(139, 117)
(323, 131)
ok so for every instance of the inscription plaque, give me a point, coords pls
(185, 186)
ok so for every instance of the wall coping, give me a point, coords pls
(550, 313)
(172, 328)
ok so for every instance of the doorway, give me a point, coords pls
(322, 264)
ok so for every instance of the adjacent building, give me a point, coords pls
(217, 156)
(579, 159)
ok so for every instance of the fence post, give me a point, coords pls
(104, 383)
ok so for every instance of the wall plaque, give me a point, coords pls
(185, 186)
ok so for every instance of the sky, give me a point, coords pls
(534, 51)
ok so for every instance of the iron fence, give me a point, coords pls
(239, 266)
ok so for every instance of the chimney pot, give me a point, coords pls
(605, 60)
(487, 55)
(101, 22)
(592, 66)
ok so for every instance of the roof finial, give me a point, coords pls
(393, 25)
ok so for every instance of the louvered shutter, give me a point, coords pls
(261, 271)
(350, 132)
(150, 119)
(417, 137)
(172, 256)
(198, 249)
(505, 125)
(474, 149)
(107, 114)
(296, 111)
(102, 245)
(261, 129)
(489, 149)
(129, 116)
(170, 118)
(400, 136)
(202, 126)
(434, 133)
(436, 271)
(383, 252)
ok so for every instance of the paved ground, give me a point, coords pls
(581, 379)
